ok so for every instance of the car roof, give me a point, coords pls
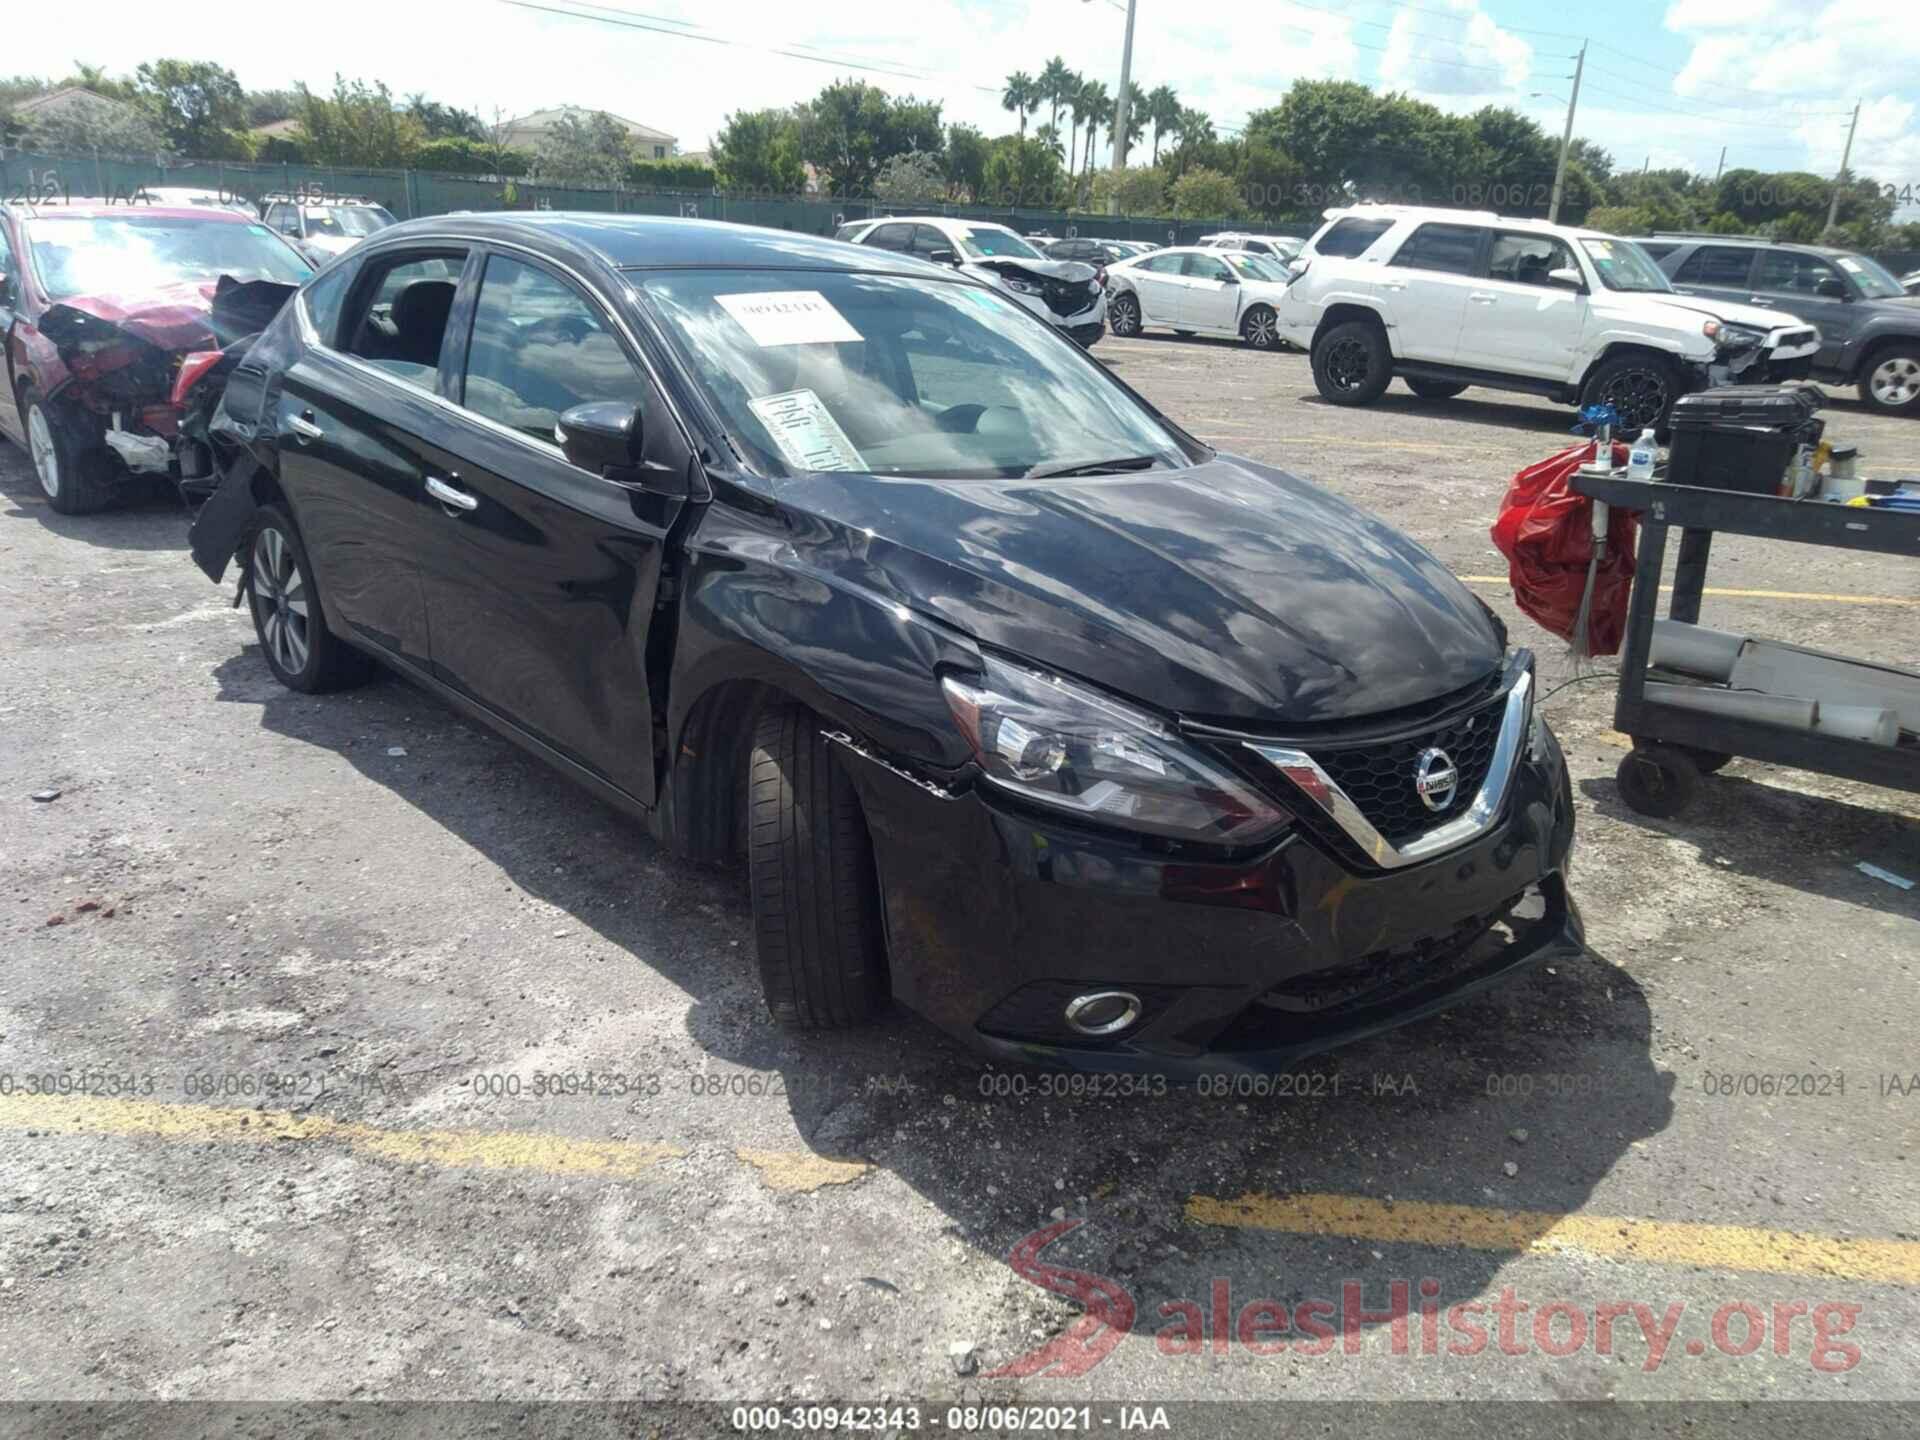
(638, 242)
(110, 209)
(1747, 242)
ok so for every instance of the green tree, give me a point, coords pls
(264, 107)
(1137, 117)
(1343, 134)
(1163, 113)
(1057, 84)
(457, 155)
(967, 152)
(126, 131)
(585, 149)
(760, 150)
(1020, 96)
(1203, 194)
(96, 79)
(850, 129)
(1137, 190)
(1023, 172)
(915, 178)
(199, 107)
(1097, 106)
(445, 122)
(357, 125)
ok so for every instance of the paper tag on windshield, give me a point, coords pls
(806, 432)
(789, 317)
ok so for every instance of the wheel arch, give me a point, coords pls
(1346, 310)
(1876, 346)
(1617, 349)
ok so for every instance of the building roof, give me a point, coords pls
(547, 119)
(68, 97)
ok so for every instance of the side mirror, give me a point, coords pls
(1232, 279)
(1567, 278)
(942, 257)
(607, 438)
(1298, 266)
(1831, 289)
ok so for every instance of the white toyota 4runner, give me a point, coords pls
(1451, 298)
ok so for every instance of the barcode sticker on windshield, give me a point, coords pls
(806, 432)
(789, 317)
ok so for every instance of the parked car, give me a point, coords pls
(1869, 324)
(324, 230)
(1097, 253)
(1022, 706)
(1193, 290)
(1274, 247)
(100, 305)
(1066, 293)
(189, 197)
(1447, 299)
(1910, 282)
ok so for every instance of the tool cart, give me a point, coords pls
(1711, 697)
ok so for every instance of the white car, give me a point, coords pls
(187, 197)
(324, 230)
(1446, 299)
(1274, 247)
(1065, 293)
(1196, 290)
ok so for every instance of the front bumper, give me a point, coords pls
(997, 917)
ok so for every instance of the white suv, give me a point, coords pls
(1451, 298)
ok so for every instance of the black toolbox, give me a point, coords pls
(1741, 437)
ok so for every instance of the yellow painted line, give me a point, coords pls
(1813, 595)
(801, 1172)
(1657, 1242)
(479, 1149)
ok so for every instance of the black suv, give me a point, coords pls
(1869, 326)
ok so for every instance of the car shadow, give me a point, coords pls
(1518, 1101)
(128, 525)
(1738, 822)
(1471, 407)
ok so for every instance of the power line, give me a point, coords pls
(1692, 114)
(1748, 109)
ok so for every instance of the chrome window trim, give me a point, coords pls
(1471, 824)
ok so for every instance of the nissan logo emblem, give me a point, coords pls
(1435, 779)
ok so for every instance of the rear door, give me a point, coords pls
(1211, 295)
(1425, 286)
(890, 237)
(544, 583)
(350, 419)
(1517, 321)
(1715, 272)
(1809, 288)
(1158, 284)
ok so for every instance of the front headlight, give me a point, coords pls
(1049, 741)
(1732, 337)
(1022, 287)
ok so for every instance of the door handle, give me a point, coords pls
(1482, 298)
(448, 495)
(1394, 285)
(304, 429)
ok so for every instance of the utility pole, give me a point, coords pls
(1120, 108)
(1721, 166)
(1833, 206)
(1566, 140)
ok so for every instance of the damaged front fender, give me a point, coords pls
(222, 523)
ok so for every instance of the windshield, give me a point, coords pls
(1254, 267)
(79, 255)
(887, 375)
(1873, 282)
(991, 240)
(1623, 265)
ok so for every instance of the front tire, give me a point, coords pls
(816, 897)
(301, 651)
(1640, 387)
(1123, 316)
(1260, 329)
(1351, 365)
(72, 474)
(1891, 382)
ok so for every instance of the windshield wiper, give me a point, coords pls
(1094, 467)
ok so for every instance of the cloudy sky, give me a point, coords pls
(1667, 81)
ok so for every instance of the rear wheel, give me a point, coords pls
(73, 475)
(301, 651)
(1259, 329)
(1123, 315)
(1640, 387)
(1891, 381)
(1351, 365)
(816, 896)
(1658, 780)
(1434, 389)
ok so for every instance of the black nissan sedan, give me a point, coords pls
(1022, 707)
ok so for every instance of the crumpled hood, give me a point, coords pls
(1053, 269)
(1227, 591)
(1663, 307)
(175, 317)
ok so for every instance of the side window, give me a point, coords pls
(1165, 264)
(538, 349)
(1527, 259)
(1450, 249)
(1207, 267)
(1258, 247)
(1351, 237)
(892, 237)
(1797, 274)
(926, 240)
(284, 218)
(1715, 265)
(326, 297)
(402, 316)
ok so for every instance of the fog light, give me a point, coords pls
(1103, 1012)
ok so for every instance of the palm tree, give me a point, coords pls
(1098, 106)
(1137, 117)
(1049, 136)
(1021, 95)
(1163, 111)
(1076, 101)
(1056, 84)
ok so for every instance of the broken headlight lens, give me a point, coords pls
(1069, 748)
(1732, 337)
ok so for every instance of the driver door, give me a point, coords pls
(1158, 284)
(1211, 297)
(542, 585)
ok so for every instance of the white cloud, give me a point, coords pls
(1462, 53)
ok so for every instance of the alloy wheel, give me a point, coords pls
(46, 457)
(1126, 316)
(1261, 331)
(280, 601)
(1348, 362)
(1638, 397)
(1896, 381)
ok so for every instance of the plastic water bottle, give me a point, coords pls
(1641, 457)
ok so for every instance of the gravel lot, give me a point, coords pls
(429, 939)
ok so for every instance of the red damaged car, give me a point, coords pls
(112, 314)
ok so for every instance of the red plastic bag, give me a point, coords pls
(1545, 530)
